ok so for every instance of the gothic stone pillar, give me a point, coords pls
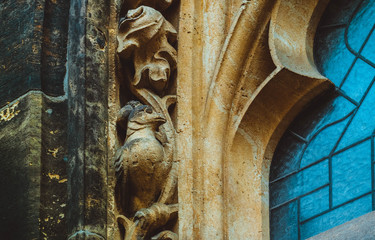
(53, 119)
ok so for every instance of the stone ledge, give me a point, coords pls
(361, 228)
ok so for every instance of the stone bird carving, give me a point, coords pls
(142, 170)
(157, 4)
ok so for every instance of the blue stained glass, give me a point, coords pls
(299, 184)
(326, 111)
(289, 160)
(324, 141)
(339, 12)
(351, 173)
(369, 50)
(338, 54)
(363, 123)
(336, 217)
(358, 80)
(314, 203)
(361, 24)
(323, 170)
(285, 221)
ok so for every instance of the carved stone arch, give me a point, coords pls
(229, 122)
(278, 79)
(292, 31)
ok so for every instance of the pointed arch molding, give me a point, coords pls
(276, 80)
(292, 30)
(264, 76)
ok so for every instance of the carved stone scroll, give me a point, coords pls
(146, 169)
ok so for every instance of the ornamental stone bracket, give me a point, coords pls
(145, 162)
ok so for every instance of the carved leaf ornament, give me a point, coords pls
(145, 165)
(146, 37)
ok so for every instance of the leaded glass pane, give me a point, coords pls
(322, 173)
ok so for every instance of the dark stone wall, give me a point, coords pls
(87, 135)
(53, 179)
(20, 47)
(53, 119)
(20, 172)
(33, 44)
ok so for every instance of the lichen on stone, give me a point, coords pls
(9, 112)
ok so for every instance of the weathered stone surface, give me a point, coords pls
(33, 47)
(76, 115)
(20, 47)
(54, 46)
(20, 172)
(33, 54)
(33, 145)
(87, 122)
(96, 116)
(53, 185)
(234, 102)
(85, 235)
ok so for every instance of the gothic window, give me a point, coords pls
(322, 173)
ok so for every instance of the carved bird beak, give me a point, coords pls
(132, 15)
(159, 118)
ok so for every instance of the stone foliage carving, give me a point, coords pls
(146, 170)
(146, 37)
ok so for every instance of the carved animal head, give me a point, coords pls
(137, 116)
(145, 116)
(157, 4)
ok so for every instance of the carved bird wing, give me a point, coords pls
(121, 167)
(119, 160)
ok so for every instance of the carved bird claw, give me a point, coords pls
(144, 217)
(156, 215)
(165, 235)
